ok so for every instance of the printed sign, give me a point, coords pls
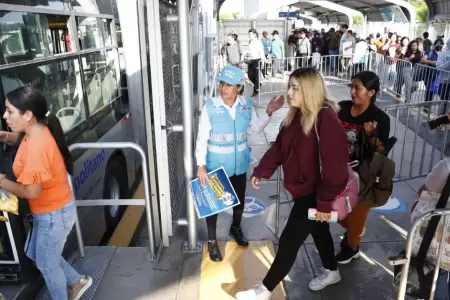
(394, 205)
(216, 196)
(253, 207)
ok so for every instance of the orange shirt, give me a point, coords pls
(38, 160)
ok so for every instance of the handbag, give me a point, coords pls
(421, 270)
(344, 203)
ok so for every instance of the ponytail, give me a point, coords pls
(57, 132)
(31, 99)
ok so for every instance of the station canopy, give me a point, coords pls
(438, 9)
(375, 10)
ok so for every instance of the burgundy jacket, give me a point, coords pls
(299, 155)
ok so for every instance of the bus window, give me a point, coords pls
(101, 79)
(27, 36)
(91, 33)
(59, 81)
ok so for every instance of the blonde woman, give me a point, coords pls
(297, 150)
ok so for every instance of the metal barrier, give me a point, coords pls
(425, 84)
(409, 250)
(153, 254)
(417, 144)
(335, 69)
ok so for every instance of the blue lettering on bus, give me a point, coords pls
(89, 167)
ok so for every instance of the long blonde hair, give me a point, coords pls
(314, 95)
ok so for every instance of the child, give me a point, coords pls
(316, 59)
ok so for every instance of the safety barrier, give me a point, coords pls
(406, 259)
(425, 84)
(153, 252)
(418, 148)
(335, 69)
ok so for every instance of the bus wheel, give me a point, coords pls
(116, 187)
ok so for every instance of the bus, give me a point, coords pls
(71, 53)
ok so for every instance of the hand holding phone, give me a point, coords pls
(439, 121)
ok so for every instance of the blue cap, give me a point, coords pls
(231, 75)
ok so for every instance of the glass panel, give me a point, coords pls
(60, 83)
(92, 6)
(52, 4)
(105, 26)
(90, 33)
(100, 73)
(27, 36)
(5, 245)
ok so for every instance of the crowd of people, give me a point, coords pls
(315, 173)
(401, 61)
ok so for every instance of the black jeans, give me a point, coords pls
(239, 183)
(297, 229)
(253, 73)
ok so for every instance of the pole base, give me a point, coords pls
(197, 249)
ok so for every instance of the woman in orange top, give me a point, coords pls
(41, 166)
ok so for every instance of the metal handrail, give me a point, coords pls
(409, 241)
(106, 202)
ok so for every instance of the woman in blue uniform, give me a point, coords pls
(222, 142)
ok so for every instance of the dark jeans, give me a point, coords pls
(239, 183)
(253, 73)
(297, 229)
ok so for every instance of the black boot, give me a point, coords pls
(237, 234)
(214, 251)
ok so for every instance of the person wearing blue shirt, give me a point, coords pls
(222, 142)
(430, 58)
(277, 54)
(267, 44)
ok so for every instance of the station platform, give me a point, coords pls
(124, 272)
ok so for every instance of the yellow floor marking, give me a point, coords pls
(241, 269)
(128, 224)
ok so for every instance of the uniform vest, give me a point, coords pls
(227, 144)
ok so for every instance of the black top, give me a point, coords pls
(359, 147)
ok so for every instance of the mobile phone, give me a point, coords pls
(442, 120)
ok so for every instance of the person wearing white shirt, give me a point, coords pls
(256, 55)
(222, 142)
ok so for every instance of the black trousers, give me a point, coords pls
(297, 229)
(239, 183)
(253, 73)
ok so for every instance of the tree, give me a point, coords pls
(421, 10)
(224, 16)
(357, 20)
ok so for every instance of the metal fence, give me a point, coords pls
(406, 259)
(418, 148)
(173, 106)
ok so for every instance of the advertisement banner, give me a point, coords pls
(216, 196)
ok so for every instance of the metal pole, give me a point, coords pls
(148, 212)
(277, 204)
(409, 240)
(442, 242)
(186, 98)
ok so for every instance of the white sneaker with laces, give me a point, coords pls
(325, 279)
(259, 292)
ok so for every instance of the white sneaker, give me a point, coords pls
(259, 292)
(325, 279)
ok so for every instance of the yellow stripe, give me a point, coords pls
(128, 224)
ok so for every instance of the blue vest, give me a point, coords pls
(227, 144)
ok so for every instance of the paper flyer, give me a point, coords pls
(216, 196)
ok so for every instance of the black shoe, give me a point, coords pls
(346, 255)
(237, 234)
(214, 251)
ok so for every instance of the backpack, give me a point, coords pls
(376, 180)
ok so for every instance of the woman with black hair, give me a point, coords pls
(363, 122)
(41, 166)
